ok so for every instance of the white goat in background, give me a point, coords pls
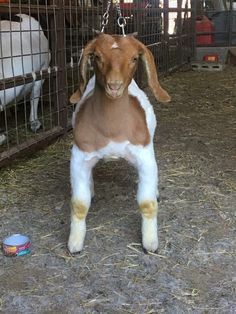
(114, 118)
(24, 49)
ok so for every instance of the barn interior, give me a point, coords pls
(194, 46)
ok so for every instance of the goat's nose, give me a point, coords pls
(114, 85)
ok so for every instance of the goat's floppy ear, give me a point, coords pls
(150, 68)
(83, 77)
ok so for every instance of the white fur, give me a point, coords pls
(77, 235)
(143, 158)
(149, 232)
(24, 49)
(114, 46)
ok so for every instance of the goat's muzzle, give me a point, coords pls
(114, 89)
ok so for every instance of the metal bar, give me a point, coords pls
(62, 96)
(179, 31)
(230, 24)
(24, 8)
(28, 78)
(193, 23)
(111, 22)
(166, 27)
(30, 145)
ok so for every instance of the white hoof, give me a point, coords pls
(77, 235)
(3, 139)
(150, 245)
(150, 234)
(75, 245)
(35, 125)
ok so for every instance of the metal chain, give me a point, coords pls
(106, 16)
(121, 21)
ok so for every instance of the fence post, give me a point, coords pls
(179, 31)
(193, 26)
(60, 59)
(230, 17)
(166, 32)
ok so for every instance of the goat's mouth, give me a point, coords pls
(114, 93)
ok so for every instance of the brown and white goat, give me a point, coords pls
(114, 117)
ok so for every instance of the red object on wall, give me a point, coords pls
(204, 25)
(211, 58)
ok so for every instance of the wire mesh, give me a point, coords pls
(41, 77)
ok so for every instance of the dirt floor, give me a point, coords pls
(194, 270)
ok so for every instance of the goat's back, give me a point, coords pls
(23, 49)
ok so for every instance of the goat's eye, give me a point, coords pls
(135, 59)
(97, 58)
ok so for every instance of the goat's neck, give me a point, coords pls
(107, 103)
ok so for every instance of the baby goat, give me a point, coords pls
(114, 117)
(23, 49)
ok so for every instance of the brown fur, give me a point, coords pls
(148, 209)
(100, 120)
(110, 114)
(118, 65)
(78, 209)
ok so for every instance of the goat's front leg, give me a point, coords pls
(82, 190)
(147, 196)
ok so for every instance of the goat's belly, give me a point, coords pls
(112, 151)
(14, 94)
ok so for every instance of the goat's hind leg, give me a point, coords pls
(147, 197)
(81, 174)
(35, 124)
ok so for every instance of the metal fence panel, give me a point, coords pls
(166, 27)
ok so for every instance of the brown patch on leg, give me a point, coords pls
(78, 209)
(148, 209)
